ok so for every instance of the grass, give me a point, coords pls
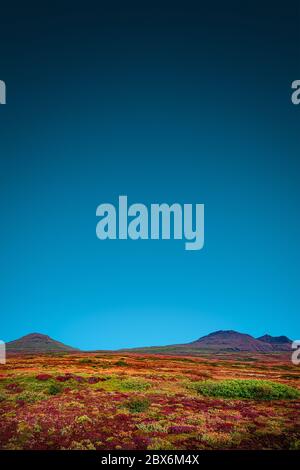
(250, 389)
(32, 389)
(113, 383)
(135, 384)
(85, 361)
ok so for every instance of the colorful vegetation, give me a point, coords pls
(252, 389)
(135, 401)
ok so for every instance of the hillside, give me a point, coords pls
(231, 341)
(37, 342)
(278, 343)
(224, 341)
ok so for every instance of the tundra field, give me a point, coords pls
(138, 401)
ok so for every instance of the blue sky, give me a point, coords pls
(182, 106)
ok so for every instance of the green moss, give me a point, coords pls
(251, 389)
(135, 384)
(82, 419)
(30, 397)
(152, 427)
(115, 383)
(137, 405)
(121, 363)
(85, 360)
(54, 389)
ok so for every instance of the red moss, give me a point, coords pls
(181, 429)
(43, 377)
(13, 388)
(93, 380)
(62, 378)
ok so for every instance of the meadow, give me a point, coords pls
(138, 401)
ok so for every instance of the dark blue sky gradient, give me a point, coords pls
(179, 102)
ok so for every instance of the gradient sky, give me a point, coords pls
(163, 102)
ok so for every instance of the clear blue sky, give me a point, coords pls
(167, 106)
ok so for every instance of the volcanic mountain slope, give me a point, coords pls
(218, 341)
(36, 342)
(231, 341)
(278, 343)
(227, 341)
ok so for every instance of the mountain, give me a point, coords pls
(278, 343)
(223, 341)
(36, 342)
(218, 341)
(230, 340)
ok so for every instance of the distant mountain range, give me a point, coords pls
(230, 340)
(219, 341)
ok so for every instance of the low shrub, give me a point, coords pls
(135, 384)
(82, 419)
(86, 444)
(63, 378)
(30, 397)
(242, 388)
(137, 405)
(13, 388)
(43, 377)
(160, 444)
(152, 427)
(121, 363)
(93, 380)
(86, 360)
(54, 389)
(181, 429)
